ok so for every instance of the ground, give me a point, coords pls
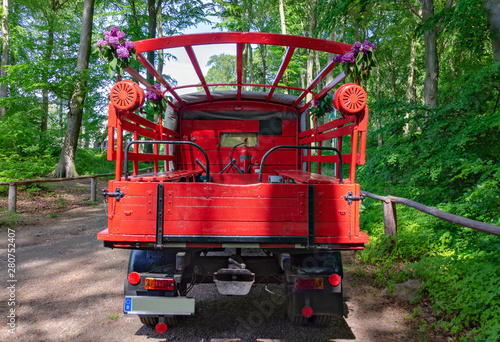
(69, 287)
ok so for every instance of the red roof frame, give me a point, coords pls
(292, 43)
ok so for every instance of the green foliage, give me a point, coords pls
(451, 162)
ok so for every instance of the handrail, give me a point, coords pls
(455, 219)
(172, 142)
(12, 196)
(302, 148)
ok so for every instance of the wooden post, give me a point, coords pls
(93, 185)
(390, 219)
(12, 197)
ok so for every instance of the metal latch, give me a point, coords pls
(349, 198)
(117, 194)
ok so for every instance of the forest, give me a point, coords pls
(434, 99)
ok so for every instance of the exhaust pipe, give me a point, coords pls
(235, 280)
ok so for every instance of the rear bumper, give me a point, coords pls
(152, 306)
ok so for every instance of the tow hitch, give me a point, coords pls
(235, 280)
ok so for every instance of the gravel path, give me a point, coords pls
(69, 288)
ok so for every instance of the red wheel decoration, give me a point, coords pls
(141, 93)
(124, 95)
(350, 99)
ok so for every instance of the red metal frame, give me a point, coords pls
(199, 209)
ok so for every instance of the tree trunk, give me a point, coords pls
(45, 80)
(431, 58)
(410, 84)
(5, 53)
(493, 7)
(159, 33)
(250, 64)
(310, 57)
(66, 166)
(283, 31)
(151, 34)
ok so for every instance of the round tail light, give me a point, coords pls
(134, 278)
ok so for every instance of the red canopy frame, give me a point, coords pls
(291, 43)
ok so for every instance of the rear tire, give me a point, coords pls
(295, 320)
(153, 321)
(321, 320)
(148, 320)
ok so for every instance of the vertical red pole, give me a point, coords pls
(354, 152)
(339, 147)
(136, 151)
(119, 149)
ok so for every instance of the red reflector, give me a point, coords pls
(334, 279)
(134, 278)
(308, 283)
(307, 311)
(161, 328)
(166, 284)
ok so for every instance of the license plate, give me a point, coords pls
(135, 305)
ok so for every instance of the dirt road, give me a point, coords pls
(69, 288)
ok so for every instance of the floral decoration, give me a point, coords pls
(156, 103)
(116, 50)
(358, 62)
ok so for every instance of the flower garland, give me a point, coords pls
(116, 50)
(358, 62)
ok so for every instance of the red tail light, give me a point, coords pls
(334, 279)
(134, 278)
(166, 284)
(308, 283)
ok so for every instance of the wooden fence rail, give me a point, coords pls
(390, 219)
(12, 200)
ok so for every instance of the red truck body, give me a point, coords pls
(236, 166)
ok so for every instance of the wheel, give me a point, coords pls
(321, 320)
(148, 320)
(295, 320)
(153, 321)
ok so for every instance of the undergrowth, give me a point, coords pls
(452, 162)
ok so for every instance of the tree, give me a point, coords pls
(5, 52)
(493, 7)
(66, 166)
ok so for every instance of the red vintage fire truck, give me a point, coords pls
(237, 202)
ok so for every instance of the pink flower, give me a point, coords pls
(102, 42)
(129, 45)
(114, 41)
(113, 31)
(122, 52)
(121, 35)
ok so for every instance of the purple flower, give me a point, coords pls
(114, 42)
(122, 52)
(151, 95)
(102, 42)
(120, 35)
(348, 57)
(129, 45)
(337, 59)
(355, 48)
(113, 31)
(106, 35)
